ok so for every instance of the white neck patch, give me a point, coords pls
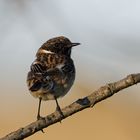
(46, 51)
(59, 66)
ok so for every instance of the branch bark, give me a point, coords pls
(88, 101)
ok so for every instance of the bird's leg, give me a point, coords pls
(38, 113)
(59, 109)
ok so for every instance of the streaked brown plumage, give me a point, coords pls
(52, 73)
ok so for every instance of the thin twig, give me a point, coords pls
(89, 101)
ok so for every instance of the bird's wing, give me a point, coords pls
(37, 77)
(36, 86)
(43, 76)
(68, 68)
(38, 67)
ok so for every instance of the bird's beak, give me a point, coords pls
(74, 44)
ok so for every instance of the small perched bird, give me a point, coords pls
(52, 73)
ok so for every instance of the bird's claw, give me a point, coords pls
(40, 118)
(61, 113)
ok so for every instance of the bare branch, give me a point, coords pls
(89, 101)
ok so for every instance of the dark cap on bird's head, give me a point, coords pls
(59, 45)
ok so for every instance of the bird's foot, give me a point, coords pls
(60, 112)
(40, 118)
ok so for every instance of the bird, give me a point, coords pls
(52, 73)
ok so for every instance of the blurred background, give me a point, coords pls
(109, 33)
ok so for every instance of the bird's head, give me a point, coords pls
(58, 45)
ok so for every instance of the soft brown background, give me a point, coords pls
(109, 32)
